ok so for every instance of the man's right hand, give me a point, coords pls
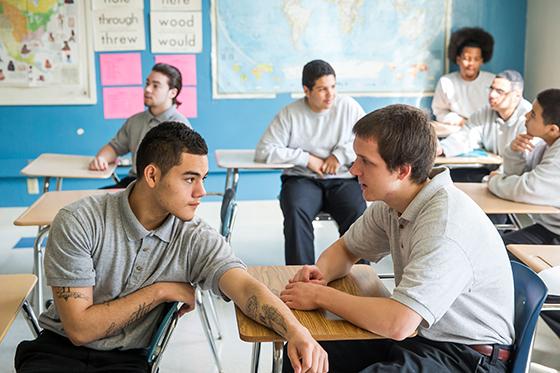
(98, 164)
(179, 292)
(522, 143)
(315, 164)
(309, 273)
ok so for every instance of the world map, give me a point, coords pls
(38, 43)
(382, 47)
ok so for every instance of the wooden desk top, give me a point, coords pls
(244, 159)
(65, 166)
(43, 211)
(15, 288)
(491, 204)
(537, 257)
(361, 281)
(491, 159)
(443, 129)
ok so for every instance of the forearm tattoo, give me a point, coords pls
(139, 314)
(65, 293)
(266, 315)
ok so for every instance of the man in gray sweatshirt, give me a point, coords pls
(315, 134)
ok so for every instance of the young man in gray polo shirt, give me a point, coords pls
(113, 260)
(163, 86)
(453, 287)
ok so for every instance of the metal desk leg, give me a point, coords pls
(58, 183)
(228, 177)
(255, 356)
(277, 357)
(31, 318)
(46, 184)
(235, 180)
(38, 253)
(515, 221)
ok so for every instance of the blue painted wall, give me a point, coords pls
(28, 131)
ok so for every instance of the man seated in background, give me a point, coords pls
(112, 261)
(531, 174)
(459, 94)
(315, 134)
(492, 127)
(453, 287)
(163, 86)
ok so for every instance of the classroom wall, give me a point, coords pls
(28, 131)
(542, 52)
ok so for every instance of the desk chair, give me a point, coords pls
(162, 335)
(530, 293)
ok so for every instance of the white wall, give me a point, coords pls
(542, 53)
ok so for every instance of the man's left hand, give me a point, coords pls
(306, 355)
(331, 165)
(301, 295)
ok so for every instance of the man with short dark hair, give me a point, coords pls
(452, 287)
(315, 134)
(112, 261)
(161, 91)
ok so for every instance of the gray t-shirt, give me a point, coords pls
(450, 263)
(130, 135)
(297, 131)
(99, 242)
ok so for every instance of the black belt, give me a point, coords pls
(503, 354)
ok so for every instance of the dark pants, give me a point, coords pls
(468, 175)
(415, 354)
(302, 198)
(536, 234)
(54, 353)
(125, 181)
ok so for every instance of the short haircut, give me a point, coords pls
(404, 135)
(164, 145)
(174, 78)
(514, 77)
(550, 102)
(314, 70)
(470, 37)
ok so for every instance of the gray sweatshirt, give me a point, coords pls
(532, 178)
(297, 131)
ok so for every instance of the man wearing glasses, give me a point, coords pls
(491, 128)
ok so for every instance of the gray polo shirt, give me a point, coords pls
(128, 139)
(450, 264)
(99, 242)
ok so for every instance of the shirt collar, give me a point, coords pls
(439, 178)
(162, 117)
(134, 230)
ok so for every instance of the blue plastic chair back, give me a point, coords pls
(530, 293)
(227, 212)
(162, 334)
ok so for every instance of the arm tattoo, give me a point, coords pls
(139, 314)
(65, 293)
(266, 315)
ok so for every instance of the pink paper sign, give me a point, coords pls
(188, 100)
(186, 63)
(122, 102)
(120, 69)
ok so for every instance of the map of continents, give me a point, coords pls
(38, 43)
(376, 47)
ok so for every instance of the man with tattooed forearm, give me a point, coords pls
(113, 260)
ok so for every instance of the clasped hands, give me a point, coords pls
(302, 290)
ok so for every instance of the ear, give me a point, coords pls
(554, 130)
(173, 93)
(152, 175)
(404, 172)
(306, 90)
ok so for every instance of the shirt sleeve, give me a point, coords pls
(344, 150)
(366, 238)
(210, 257)
(437, 273)
(273, 145)
(68, 256)
(441, 105)
(538, 185)
(466, 139)
(121, 142)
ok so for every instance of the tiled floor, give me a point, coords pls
(188, 350)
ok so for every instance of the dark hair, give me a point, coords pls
(164, 145)
(470, 37)
(404, 135)
(550, 102)
(174, 78)
(314, 70)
